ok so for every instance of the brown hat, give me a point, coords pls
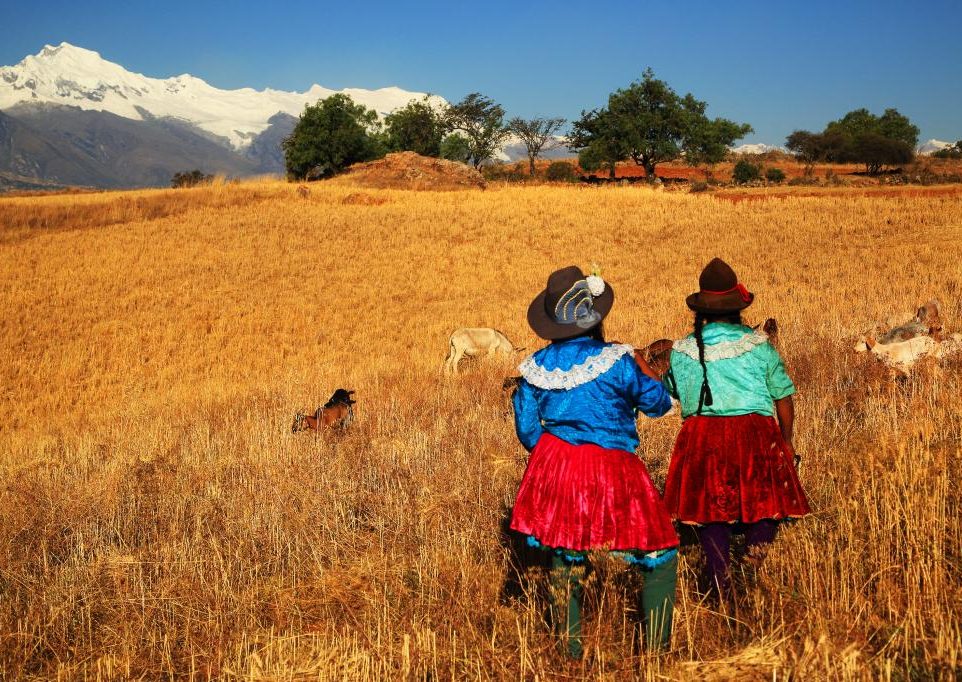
(570, 305)
(721, 292)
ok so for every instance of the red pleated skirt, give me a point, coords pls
(726, 469)
(584, 497)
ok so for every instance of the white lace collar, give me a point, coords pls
(723, 350)
(589, 370)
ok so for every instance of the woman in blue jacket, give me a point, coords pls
(584, 488)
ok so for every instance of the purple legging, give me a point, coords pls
(716, 539)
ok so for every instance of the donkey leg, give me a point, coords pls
(454, 357)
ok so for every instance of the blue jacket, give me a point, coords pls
(585, 391)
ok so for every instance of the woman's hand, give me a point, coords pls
(785, 410)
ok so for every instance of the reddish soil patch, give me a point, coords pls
(407, 170)
(889, 192)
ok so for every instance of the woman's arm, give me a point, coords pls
(785, 409)
(527, 420)
(645, 392)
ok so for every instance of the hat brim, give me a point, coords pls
(715, 303)
(545, 327)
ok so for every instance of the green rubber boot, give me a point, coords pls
(658, 603)
(567, 593)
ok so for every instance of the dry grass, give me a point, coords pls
(158, 519)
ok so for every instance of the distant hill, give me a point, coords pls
(70, 146)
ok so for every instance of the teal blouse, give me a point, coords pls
(745, 372)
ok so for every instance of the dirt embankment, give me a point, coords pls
(407, 170)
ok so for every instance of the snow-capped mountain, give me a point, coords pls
(932, 146)
(74, 76)
(756, 148)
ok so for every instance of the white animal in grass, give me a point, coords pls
(476, 341)
(902, 355)
(922, 336)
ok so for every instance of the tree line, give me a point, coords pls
(647, 123)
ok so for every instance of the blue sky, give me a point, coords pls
(777, 65)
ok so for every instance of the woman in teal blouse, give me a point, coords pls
(732, 465)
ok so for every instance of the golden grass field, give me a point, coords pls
(159, 520)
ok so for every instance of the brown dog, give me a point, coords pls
(337, 413)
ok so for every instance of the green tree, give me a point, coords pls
(895, 126)
(481, 121)
(807, 148)
(456, 147)
(708, 141)
(331, 135)
(417, 127)
(535, 134)
(876, 141)
(890, 124)
(810, 148)
(597, 141)
(877, 151)
(649, 123)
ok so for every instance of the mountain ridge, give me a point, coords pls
(71, 75)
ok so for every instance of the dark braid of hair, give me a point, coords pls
(705, 397)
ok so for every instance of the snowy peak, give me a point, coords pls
(756, 148)
(933, 146)
(74, 76)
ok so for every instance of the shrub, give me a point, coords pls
(561, 171)
(834, 179)
(190, 179)
(775, 175)
(500, 171)
(698, 186)
(954, 152)
(746, 172)
(805, 180)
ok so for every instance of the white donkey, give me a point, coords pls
(474, 341)
(922, 336)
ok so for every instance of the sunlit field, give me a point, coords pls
(158, 519)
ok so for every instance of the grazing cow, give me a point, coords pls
(337, 413)
(473, 342)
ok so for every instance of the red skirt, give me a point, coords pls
(583, 497)
(726, 469)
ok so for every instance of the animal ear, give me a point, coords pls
(870, 342)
